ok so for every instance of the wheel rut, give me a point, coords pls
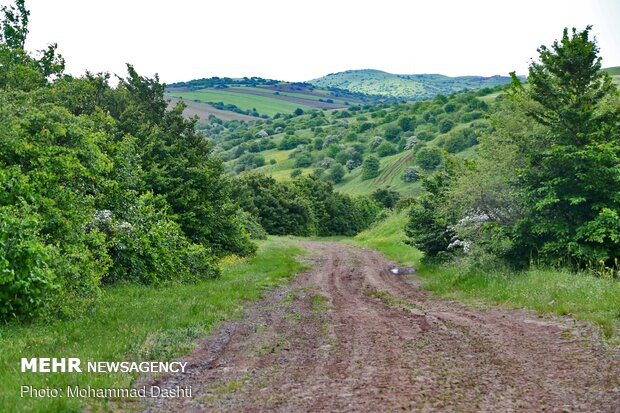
(349, 336)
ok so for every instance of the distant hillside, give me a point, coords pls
(229, 98)
(410, 87)
(614, 72)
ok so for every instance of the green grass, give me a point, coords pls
(613, 71)
(263, 104)
(388, 237)
(135, 323)
(547, 291)
(390, 175)
(293, 94)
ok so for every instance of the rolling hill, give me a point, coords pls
(260, 98)
(407, 87)
(614, 72)
(409, 139)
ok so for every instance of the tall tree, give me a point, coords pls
(572, 172)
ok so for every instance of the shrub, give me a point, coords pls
(303, 160)
(335, 173)
(445, 126)
(391, 132)
(251, 225)
(375, 142)
(386, 197)
(27, 283)
(459, 140)
(428, 158)
(370, 167)
(411, 174)
(386, 149)
(425, 135)
(147, 246)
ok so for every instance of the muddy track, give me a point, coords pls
(349, 336)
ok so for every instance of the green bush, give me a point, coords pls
(147, 246)
(386, 149)
(251, 225)
(27, 283)
(428, 157)
(370, 167)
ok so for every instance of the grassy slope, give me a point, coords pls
(613, 71)
(390, 175)
(549, 291)
(135, 323)
(388, 237)
(291, 94)
(263, 104)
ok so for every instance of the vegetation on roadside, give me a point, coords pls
(99, 185)
(580, 295)
(133, 322)
(544, 189)
(532, 220)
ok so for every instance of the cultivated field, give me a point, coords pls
(265, 105)
(204, 110)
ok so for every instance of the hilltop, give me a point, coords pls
(406, 87)
(254, 97)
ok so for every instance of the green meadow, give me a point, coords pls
(263, 104)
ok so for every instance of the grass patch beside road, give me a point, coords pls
(547, 291)
(135, 323)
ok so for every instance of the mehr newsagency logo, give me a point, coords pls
(74, 365)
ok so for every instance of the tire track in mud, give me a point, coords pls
(349, 336)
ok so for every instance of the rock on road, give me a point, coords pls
(349, 336)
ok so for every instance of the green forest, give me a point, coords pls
(110, 195)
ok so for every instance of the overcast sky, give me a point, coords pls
(302, 40)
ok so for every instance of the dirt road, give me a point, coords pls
(349, 336)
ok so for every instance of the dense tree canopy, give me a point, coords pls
(545, 187)
(99, 184)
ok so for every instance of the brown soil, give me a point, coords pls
(349, 336)
(203, 110)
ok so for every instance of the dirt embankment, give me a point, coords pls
(349, 336)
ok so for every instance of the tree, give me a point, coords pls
(386, 149)
(428, 228)
(411, 174)
(14, 25)
(335, 173)
(445, 125)
(391, 132)
(428, 157)
(386, 197)
(572, 172)
(370, 167)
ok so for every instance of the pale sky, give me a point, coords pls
(302, 40)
